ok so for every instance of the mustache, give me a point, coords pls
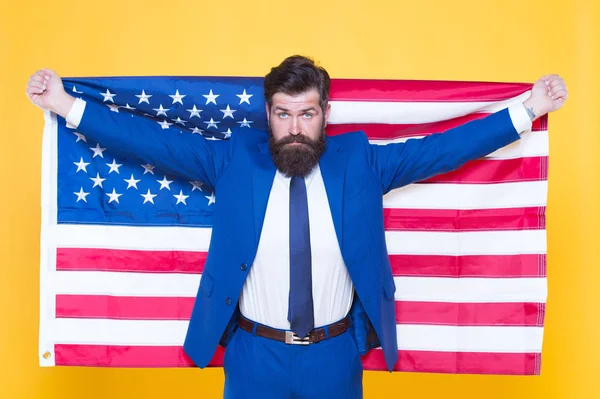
(295, 139)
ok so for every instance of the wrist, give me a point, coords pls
(532, 109)
(63, 104)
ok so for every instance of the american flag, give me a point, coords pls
(123, 245)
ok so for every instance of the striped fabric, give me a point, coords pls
(467, 248)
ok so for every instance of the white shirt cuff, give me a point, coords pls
(75, 113)
(520, 118)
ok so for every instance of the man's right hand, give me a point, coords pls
(45, 89)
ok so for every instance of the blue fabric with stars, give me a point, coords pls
(94, 187)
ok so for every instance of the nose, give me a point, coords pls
(295, 128)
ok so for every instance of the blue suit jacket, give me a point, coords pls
(240, 170)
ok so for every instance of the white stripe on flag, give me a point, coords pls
(468, 196)
(398, 112)
(410, 337)
(466, 243)
(126, 283)
(469, 339)
(439, 289)
(398, 242)
(128, 237)
(423, 289)
(119, 332)
(531, 144)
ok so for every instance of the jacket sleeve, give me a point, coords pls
(400, 164)
(190, 156)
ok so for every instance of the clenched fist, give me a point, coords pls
(548, 94)
(45, 89)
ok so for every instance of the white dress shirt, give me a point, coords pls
(266, 291)
(265, 294)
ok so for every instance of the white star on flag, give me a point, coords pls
(212, 123)
(148, 168)
(148, 197)
(81, 165)
(114, 167)
(97, 180)
(180, 197)
(108, 96)
(81, 195)
(211, 98)
(164, 124)
(177, 97)
(143, 97)
(80, 137)
(129, 107)
(211, 198)
(113, 196)
(194, 112)
(196, 185)
(245, 122)
(227, 133)
(164, 183)
(244, 98)
(196, 130)
(113, 107)
(132, 182)
(161, 111)
(98, 151)
(228, 112)
(179, 120)
(75, 91)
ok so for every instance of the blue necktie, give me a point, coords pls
(300, 309)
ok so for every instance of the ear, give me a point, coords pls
(327, 112)
(268, 110)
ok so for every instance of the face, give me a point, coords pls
(296, 124)
(298, 114)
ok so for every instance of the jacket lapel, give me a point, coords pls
(333, 170)
(263, 173)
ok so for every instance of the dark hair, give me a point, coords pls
(295, 75)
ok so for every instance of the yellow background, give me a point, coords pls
(509, 40)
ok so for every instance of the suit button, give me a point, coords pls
(228, 301)
(243, 266)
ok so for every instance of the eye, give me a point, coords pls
(307, 115)
(283, 115)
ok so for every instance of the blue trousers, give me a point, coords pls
(257, 367)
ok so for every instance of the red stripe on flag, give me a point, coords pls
(417, 361)
(127, 356)
(526, 265)
(423, 91)
(470, 314)
(400, 219)
(180, 308)
(130, 260)
(495, 171)
(383, 131)
(458, 362)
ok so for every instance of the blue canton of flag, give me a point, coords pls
(95, 187)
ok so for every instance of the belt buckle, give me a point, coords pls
(293, 339)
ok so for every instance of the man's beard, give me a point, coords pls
(296, 160)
